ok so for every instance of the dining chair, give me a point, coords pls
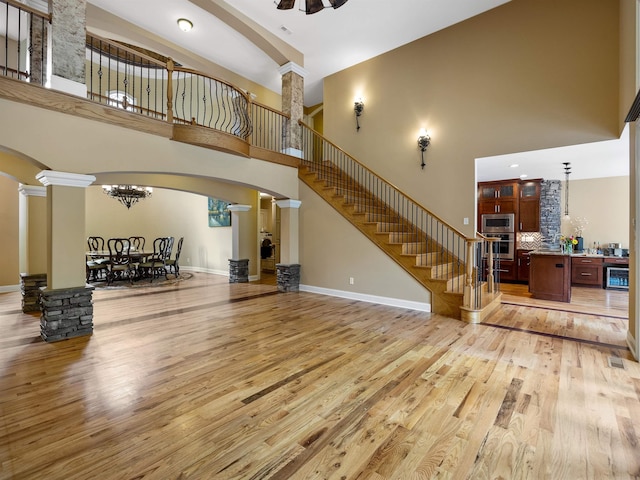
(137, 243)
(155, 265)
(96, 266)
(119, 260)
(172, 263)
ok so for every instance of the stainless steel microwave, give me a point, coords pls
(498, 223)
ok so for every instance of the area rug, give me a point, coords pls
(143, 282)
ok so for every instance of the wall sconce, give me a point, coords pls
(358, 107)
(184, 24)
(423, 142)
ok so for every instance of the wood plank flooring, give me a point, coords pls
(207, 380)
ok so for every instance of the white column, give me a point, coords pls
(289, 231)
(237, 227)
(33, 232)
(65, 227)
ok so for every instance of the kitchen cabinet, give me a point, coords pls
(503, 269)
(586, 271)
(497, 197)
(523, 262)
(550, 277)
(529, 206)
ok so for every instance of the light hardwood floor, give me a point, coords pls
(207, 380)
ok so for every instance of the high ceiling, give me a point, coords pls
(332, 40)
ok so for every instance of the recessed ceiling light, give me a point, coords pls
(524, 175)
(514, 165)
(184, 24)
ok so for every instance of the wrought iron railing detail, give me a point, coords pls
(268, 127)
(23, 52)
(121, 77)
(209, 102)
(450, 255)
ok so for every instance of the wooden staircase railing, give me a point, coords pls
(437, 255)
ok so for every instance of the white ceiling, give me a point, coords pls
(332, 40)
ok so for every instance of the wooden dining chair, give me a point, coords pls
(137, 243)
(172, 263)
(96, 266)
(119, 260)
(155, 265)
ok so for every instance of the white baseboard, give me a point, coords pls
(9, 288)
(633, 346)
(392, 302)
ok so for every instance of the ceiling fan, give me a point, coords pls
(312, 6)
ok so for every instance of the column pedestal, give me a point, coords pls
(66, 313)
(239, 271)
(288, 277)
(30, 286)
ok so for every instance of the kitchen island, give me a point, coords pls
(550, 276)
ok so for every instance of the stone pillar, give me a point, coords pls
(38, 48)
(550, 206)
(293, 105)
(66, 302)
(239, 262)
(68, 39)
(33, 245)
(288, 270)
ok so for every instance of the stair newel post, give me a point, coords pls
(170, 67)
(490, 278)
(468, 280)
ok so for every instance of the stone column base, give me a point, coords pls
(239, 271)
(30, 286)
(66, 313)
(288, 277)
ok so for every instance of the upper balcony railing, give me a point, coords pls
(23, 37)
(139, 81)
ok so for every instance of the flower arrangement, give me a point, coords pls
(579, 225)
(567, 243)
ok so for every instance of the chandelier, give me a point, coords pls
(127, 194)
(312, 6)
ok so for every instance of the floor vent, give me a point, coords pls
(616, 362)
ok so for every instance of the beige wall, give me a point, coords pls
(527, 75)
(9, 233)
(604, 203)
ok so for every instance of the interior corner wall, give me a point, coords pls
(527, 75)
(10, 232)
(331, 253)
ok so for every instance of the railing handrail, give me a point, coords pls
(28, 9)
(408, 197)
(271, 109)
(215, 79)
(128, 49)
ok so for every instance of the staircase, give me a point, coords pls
(433, 253)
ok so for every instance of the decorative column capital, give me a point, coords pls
(239, 208)
(64, 179)
(289, 203)
(32, 190)
(292, 67)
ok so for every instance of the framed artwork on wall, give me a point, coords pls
(219, 216)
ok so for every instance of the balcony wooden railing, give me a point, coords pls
(23, 33)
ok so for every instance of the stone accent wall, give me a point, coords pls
(293, 105)
(68, 26)
(239, 271)
(288, 277)
(39, 50)
(30, 286)
(550, 209)
(66, 313)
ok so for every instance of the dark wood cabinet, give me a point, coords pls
(507, 270)
(529, 206)
(587, 271)
(523, 262)
(497, 197)
(550, 277)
